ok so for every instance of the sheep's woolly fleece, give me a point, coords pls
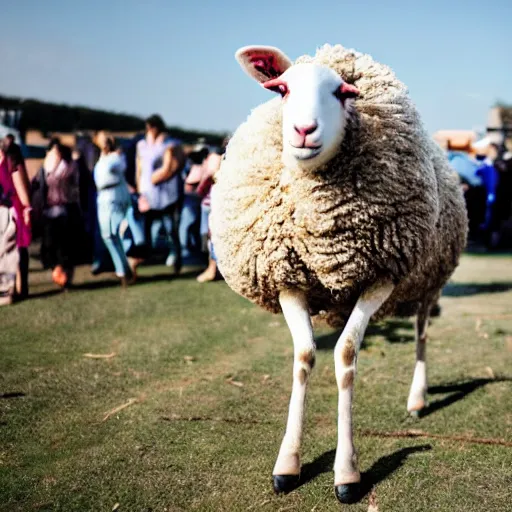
(386, 207)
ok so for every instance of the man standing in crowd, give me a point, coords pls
(160, 161)
(502, 206)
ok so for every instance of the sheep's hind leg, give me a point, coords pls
(418, 394)
(346, 473)
(286, 472)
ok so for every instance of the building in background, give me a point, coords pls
(456, 140)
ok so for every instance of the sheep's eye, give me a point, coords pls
(338, 94)
(345, 92)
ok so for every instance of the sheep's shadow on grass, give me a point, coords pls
(458, 391)
(468, 289)
(380, 470)
(391, 330)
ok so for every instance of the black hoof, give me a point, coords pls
(285, 483)
(347, 493)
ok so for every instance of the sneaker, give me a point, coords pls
(174, 262)
(171, 260)
(59, 277)
(96, 269)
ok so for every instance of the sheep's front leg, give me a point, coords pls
(295, 309)
(418, 393)
(346, 472)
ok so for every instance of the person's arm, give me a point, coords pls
(121, 165)
(23, 177)
(138, 169)
(173, 162)
(138, 172)
(22, 187)
(118, 168)
(193, 178)
(204, 187)
(213, 163)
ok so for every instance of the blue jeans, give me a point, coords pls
(212, 251)
(169, 219)
(190, 224)
(110, 216)
(134, 241)
(205, 218)
(102, 262)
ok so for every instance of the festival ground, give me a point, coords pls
(172, 396)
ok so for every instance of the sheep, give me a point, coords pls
(332, 202)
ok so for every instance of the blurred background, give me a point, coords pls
(74, 70)
(171, 395)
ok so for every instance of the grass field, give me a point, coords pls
(187, 407)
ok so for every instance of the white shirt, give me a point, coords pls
(110, 179)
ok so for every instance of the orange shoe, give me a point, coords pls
(59, 277)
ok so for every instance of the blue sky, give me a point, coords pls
(176, 58)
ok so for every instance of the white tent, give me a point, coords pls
(482, 144)
(6, 130)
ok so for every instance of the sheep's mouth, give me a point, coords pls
(306, 153)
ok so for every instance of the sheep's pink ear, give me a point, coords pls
(262, 63)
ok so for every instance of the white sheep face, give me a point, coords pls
(314, 104)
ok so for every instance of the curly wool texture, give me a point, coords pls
(386, 207)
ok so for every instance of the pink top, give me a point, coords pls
(62, 181)
(204, 189)
(212, 165)
(195, 174)
(7, 191)
(23, 231)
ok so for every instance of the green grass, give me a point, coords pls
(195, 441)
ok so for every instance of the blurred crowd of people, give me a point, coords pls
(486, 179)
(115, 207)
(106, 205)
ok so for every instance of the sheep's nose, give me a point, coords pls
(306, 129)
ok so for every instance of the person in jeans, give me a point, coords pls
(212, 164)
(190, 225)
(113, 201)
(133, 237)
(159, 163)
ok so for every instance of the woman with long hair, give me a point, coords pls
(113, 203)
